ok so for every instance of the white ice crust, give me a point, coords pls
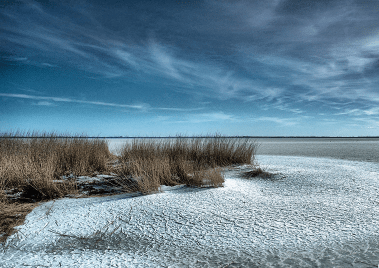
(315, 212)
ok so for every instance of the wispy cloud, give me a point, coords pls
(44, 103)
(359, 112)
(178, 109)
(15, 58)
(46, 100)
(50, 101)
(281, 121)
(24, 89)
(200, 118)
(48, 64)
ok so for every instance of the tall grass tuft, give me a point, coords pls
(147, 164)
(34, 163)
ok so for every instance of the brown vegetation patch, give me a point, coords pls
(257, 172)
(12, 215)
(147, 164)
(32, 164)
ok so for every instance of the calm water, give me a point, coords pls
(359, 149)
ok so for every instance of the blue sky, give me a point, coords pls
(142, 68)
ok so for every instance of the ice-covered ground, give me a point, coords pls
(316, 212)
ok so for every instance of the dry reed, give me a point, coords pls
(147, 164)
(33, 164)
(256, 172)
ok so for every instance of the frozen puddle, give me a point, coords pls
(316, 212)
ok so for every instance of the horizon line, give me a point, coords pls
(172, 137)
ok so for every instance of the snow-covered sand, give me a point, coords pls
(316, 212)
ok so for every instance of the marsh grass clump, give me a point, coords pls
(190, 161)
(256, 172)
(35, 162)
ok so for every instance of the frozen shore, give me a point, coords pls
(316, 212)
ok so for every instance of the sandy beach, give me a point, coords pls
(315, 212)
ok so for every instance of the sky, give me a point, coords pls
(166, 68)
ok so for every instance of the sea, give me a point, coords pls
(357, 149)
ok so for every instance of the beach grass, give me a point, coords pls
(256, 172)
(190, 161)
(38, 167)
(35, 163)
